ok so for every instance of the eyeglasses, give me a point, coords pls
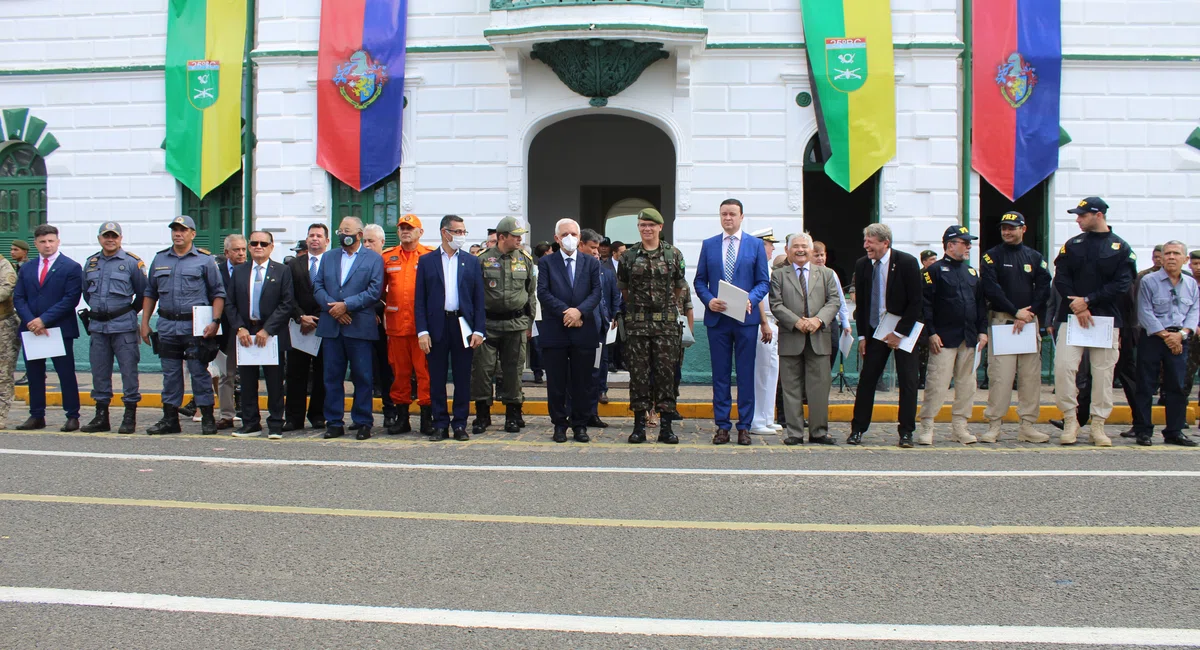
(461, 232)
(260, 244)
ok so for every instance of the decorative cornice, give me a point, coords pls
(83, 70)
(598, 68)
(592, 27)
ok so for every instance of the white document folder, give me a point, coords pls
(1004, 342)
(1099, 335)
(735, 300)
(49, 346)
(888, 324)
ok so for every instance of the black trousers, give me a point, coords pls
(274, 376)
(381, 372)
(1127, 372)
(569, 372)
(1153, 357)
(300, 368)
(874, 363)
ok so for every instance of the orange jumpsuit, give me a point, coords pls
(399, 321)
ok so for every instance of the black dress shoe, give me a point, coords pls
(855, 438)
(581, 435)
(560, 434)
(1129, 434)
(31, 424)
(1179, 439)
(318, 424)
(247, 428)
(440, 433)
(793, 440)
(334, 432)
(1057, 424)
(364, 432)
(906, 441)
(1145, 439)
(595, 421)
(72, 424)
(460, 434)
(292, 426)
(823, 440)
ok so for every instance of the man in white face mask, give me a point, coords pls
(568, 288)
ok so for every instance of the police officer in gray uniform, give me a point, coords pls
(182, 277)
(114, 282)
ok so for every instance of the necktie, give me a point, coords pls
(571, 270)
(312, 269)
(256, 292)
(730, 258)
(45, 270)
(876, 294)
(804, 291)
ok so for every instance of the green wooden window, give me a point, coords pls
(217, 215)
(379, 203)
(22, 193)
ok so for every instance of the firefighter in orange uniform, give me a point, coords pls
(404, 354)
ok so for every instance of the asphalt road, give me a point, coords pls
(922, 542)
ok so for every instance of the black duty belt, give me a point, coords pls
(506, 315)
(175, 316)
(453, 314)
(653, 317)
(104, 318)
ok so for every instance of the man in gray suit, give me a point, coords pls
(804, 299)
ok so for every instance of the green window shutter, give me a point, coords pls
(23, 198)
(218, 215)
(379, 204)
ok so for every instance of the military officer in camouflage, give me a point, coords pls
(10, 345)
(651, 278)
(509, 291)
(183, 277)
(114, 283)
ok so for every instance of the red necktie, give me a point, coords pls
(45, 269)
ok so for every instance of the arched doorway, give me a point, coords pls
(583, 166)
(837, 217)
(22, 192)
(1034, 205)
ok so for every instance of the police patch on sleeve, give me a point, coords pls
(1044, 264)
(971, 270)
(987, 259)
(928, 280)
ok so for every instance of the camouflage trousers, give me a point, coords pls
(9, 349)
(1193, 364)
(651, 361)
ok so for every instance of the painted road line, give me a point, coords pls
(597, 522)
(985, 634)
(360, 464)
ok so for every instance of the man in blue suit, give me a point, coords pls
(569, 292)
(347, 288)
(741, 261)
(605, 317)
(48, 290)
(450, 289)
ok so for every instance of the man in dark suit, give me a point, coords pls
(235, 254)
(450, 290)
(48, 289)
(569, 292)
(347, 287)
(887, 281)
(305, 312)
(742, 261)
(605, 316)
(260, 300)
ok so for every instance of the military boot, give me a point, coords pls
(129, 419)
(993, 432)
(1070, 430)
(483, 417)
(639, 428)
(401, 424)
(99, 421)
(511, 412)
(959, 433)
(1097, 433)
(665, 434)
(1029, 434)
(390, 418)
(520, 416)
(169, 422)
(208, 424)
(925, 433)
(426, 420)
(188, 410)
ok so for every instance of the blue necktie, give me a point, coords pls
(730, 258)
(571, 270)
(256, 292)
(312, 270)
(876, 294)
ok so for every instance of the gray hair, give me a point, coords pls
(879, 232)
(800, 235)
(376, 229)
(587, 235)
(230, 240)
(354, 221)
(561, 222)
(1175, 242)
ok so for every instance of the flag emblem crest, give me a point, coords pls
(361, 79)
(1016, 79)
(203, 83)
(846, 60)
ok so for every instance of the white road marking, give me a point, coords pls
(549, 469)
(610, 624)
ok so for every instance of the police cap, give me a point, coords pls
(110, 226)
(957, 232)
(1012, 218)
(1090, 204)
(510, 226)
(184, 221)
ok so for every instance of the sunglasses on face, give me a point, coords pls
(260, 244)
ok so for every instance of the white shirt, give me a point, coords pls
(347, 262)
(450, 274)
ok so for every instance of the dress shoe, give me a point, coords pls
(560, 434)
(72, 424)
(1057, 424)
(595, 421)
(275, 434)
(603, 398)
(460, 434)
(248, 431)
(823, 440)
(439, 433)
(1129, 433)
(31, 424)
(1179, 439)
(581, 435)
(364, 432)
(722, 437)
(743, 437)
(292, 426)
(318, 424)
(23, 381)
(855, 438)
(1144, 439)
(334, 432)
(792, 441)
(906, 441)
(224, 423)
(763, 431)
(537, 378)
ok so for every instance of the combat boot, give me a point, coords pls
(639, 428)
(1070, 430)
(959, 433)
(510, 418)
(129, 419)
(483, 417)
(426, 421)
(993, 432)
(208, 424)
(169, 422)
(1028, 434)
(390, 418)
(99, 421)
(520, 416)
(1097, 433)
(401, 423)
(925, 436)
(665, 434)
(188, 410)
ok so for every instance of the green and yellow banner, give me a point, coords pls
(849, 45)
(206, 42)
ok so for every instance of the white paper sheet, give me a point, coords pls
(845, 342)
(979, 352)
(1004, 342)
(1099, 335)
(887, 325)
(599, 355)
(44, 347)
(268, 355)
(611, 336)
(309, 344)
(466, 331)
(735, 300)
(202, 315)
(535, 331)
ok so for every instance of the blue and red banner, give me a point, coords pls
(360, 89)
(1017, 75)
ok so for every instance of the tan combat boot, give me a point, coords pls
(1070, 430)
(993, 432)
(1097, 431)
(1028, 434)
(959, 433)
(925, 434)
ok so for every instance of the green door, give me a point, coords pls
(379, 203)
(218, 215)
(22, 193)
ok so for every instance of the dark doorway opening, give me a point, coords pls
(1033, 205)
(837, 217)
(597, 201)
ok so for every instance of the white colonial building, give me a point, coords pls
(525, 107)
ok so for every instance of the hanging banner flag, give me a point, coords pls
(1017, 75)
(206, 45)
(849, 45)
(360, 89)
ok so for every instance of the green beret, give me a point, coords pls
(20, 243)
(1195, 255)
(650, 214)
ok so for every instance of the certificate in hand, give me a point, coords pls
(735, 301)
(1004, 342)
(44, 347)
(268, 355)
(888, 324)
(1099, 335)
(309, 344)
(202, 315)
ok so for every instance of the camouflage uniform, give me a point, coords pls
(9, 342)
(650, 280)
(685, 306)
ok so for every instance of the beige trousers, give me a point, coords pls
(956, 363)
(1066, 366)
(1026, 368)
